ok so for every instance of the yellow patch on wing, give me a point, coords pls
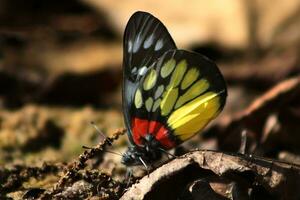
(159, 91)
(195, 90)
(148, 104)
(189, 78)
(156, 105)
(189, 119)
(171, 93)
(178, 74)
(168, 101)
(138, 99)
(150, 80)
(167, 68)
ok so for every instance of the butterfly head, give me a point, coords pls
(136, 155)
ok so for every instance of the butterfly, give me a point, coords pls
(168, 95)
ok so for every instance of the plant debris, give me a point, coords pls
(219, 173)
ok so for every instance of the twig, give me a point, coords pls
(79, 164)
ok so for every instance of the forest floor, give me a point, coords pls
(61, 69)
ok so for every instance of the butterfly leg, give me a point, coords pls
(128, 176)
(145, 165)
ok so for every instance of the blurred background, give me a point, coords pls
(61, 67)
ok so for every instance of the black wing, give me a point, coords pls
(145, 40)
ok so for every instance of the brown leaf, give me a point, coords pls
(259, 175)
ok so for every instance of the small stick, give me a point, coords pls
(242, 149)
(79, 164)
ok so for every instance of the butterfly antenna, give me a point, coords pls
(100, 132)
(106, 138)
(116, 153)
(145, 165)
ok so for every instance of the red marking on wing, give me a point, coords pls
(142, 127)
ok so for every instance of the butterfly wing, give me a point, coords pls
(178, 96)
(145, 40)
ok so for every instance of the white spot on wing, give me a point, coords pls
(134, 70)
(137, 44)
(143, 70)
(129, 46)
(158, 45)
(148, 42)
